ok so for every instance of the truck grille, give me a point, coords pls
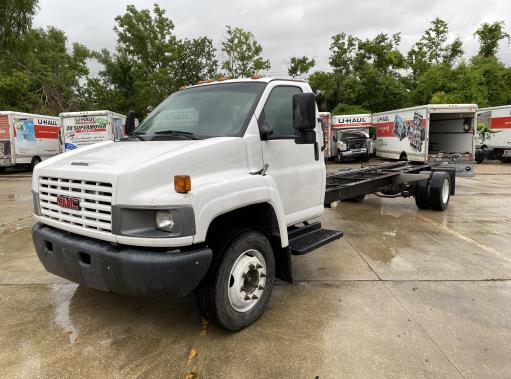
(94, 199)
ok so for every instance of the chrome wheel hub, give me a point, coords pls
(247, 280)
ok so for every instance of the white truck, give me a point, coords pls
(86, 128)
(216, 202)
(494, 133)
(442, 134)
(27, 139)
(350, 137)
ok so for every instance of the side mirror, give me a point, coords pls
(265, 129)
(304, 111)
(129, 126)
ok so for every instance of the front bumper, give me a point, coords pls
(125, 270)
(353, 152)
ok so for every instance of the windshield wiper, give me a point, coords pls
(179, 133)
(137, 135)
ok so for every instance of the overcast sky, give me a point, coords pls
(284, 28)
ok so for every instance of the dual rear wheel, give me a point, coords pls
(435, 192)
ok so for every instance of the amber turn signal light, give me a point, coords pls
(182, 183)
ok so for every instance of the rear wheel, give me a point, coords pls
(439, 190)
(422, 192)
(356, 199)
(240, 282)
(403, 157)
(35, 161)
(479, 156)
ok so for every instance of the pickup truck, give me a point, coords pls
(213, 193)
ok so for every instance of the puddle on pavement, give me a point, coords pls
(62, 296)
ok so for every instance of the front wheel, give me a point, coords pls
(240, 282)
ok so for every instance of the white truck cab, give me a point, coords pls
(214, 191)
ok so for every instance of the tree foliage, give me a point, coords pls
(149, 62)
(242, 54)
(489, 36)
(300, 66)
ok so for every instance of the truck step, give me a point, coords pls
(312, 239)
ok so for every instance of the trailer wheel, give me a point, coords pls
(364, 158)
(439, 190)
(240, 282)
(35, 161)
(422, 192)
(403, 157)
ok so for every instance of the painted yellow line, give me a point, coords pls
(193, 354)
(462, 236)
(203, 328)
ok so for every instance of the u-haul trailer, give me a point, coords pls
(494, 133)
(27, 139)
(440, 134)
(87, 128)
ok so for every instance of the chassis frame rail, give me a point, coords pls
(349, 183)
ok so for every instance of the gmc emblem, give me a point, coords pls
(68, 202)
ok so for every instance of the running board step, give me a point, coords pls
(312, 239)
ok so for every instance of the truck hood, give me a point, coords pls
(118, 156)
(144, 170)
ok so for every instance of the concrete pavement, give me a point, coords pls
(406, 293)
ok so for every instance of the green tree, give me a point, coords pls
(489, 36)
(16, 16)
(149, 62)
(300, 66)
(243, 54)
(42, 76)
(341, 109)
(432, 48)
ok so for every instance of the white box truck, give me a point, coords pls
(27, 139)
(216, 202)
(494, 133)
(86, 128)
(442, 134)
(350, 137)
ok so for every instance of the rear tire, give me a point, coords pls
(240, 282)
(439, 190)
(479, 156)
(422, 192)
(35, 161)
(356, 199)
(403, 157)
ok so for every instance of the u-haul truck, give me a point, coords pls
(494, 133)
(87, 128)
(27, 139)
(442, 134)
(350, 137)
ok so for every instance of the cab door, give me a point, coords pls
(297, 169)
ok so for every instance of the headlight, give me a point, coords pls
(341, 146)
(164, 221)
(168, 222)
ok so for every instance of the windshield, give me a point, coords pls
(218, 110)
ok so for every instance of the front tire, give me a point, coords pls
(240, 282)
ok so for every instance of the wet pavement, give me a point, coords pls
(406, 293)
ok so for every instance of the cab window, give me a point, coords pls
(278, 111)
